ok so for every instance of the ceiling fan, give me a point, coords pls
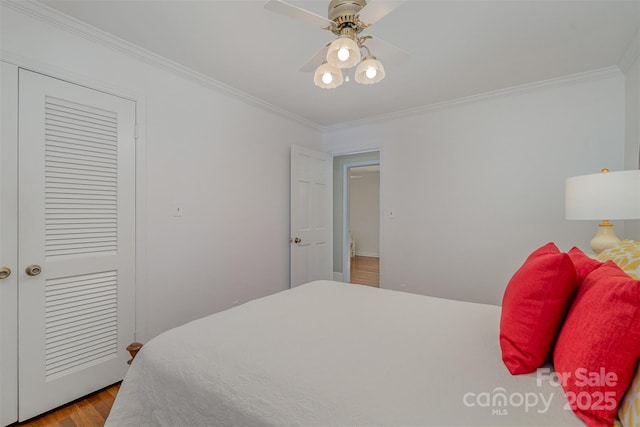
(346, 19)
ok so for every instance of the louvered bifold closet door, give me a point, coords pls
(77, 222)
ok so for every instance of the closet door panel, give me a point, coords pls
(8, 243)
(77, 235)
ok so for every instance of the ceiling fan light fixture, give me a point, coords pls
(347, 19)
(327, 76)
(369, 71)
(343, 52)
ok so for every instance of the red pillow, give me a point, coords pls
(533, 307)
(583, 264)
(599, 344)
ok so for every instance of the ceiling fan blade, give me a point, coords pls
(295, 12)
(386, 52)
(375, 10)
(316, 60)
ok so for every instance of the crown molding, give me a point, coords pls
(67, 23)
(632, 53)
(600, 73)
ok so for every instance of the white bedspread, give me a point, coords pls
(329, 354)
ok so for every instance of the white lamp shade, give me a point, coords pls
(343, 45)
(369, 71)
(328, 76)
(608, 195)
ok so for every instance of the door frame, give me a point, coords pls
(346, 259)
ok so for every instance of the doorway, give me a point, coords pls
(342, 241)
(363, 223)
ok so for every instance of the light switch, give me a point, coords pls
(177, 211)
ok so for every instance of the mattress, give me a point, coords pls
(329, 354)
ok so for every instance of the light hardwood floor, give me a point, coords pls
(365, 271)
(89, 411)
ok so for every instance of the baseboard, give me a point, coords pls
(368, 254)
(338, 276)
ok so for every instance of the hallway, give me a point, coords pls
(365, 271)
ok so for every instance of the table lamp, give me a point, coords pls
(610, 195)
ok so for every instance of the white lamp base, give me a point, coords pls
(605, 238)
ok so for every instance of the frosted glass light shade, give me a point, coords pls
(609, 195)
(369, 71)
(338, 47)
(328, 76)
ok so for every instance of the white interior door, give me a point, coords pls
(311, 216)
(76, 207)
(8, 244)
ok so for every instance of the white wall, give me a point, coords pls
(632, 96)
(476, 187)
(364, 211)
(224, 160)
(632, 110)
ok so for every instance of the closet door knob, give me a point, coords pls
(4, 272)
(34, 270)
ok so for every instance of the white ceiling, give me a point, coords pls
(458, 48)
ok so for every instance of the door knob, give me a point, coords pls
(296, 240)
(5, 272)
(33, 270)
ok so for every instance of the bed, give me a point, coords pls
(329, 354)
